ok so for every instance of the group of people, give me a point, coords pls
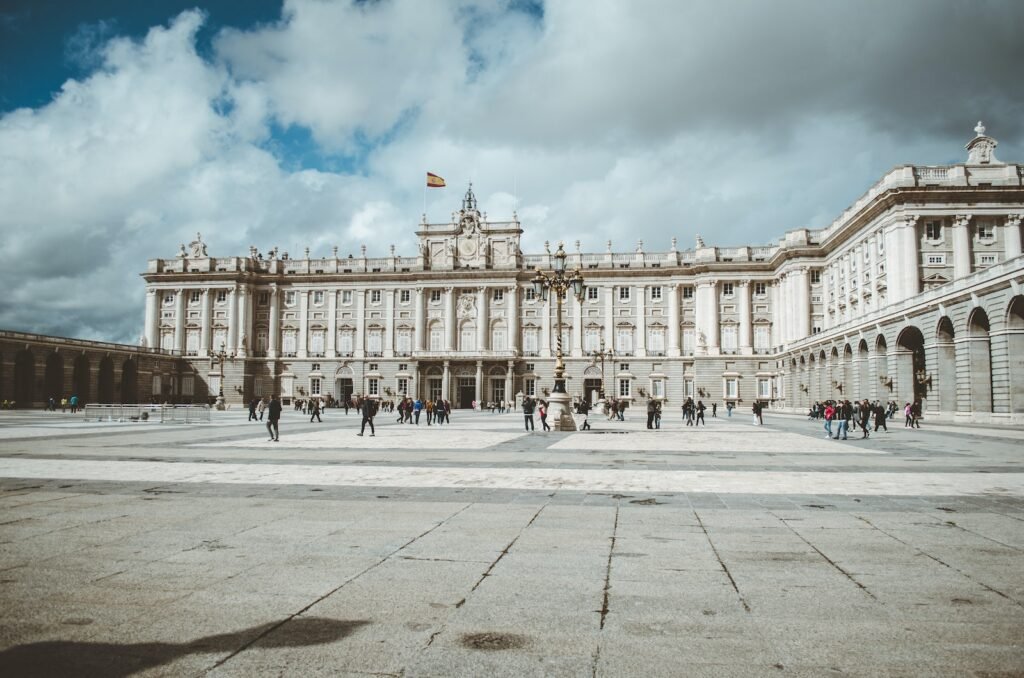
(51, 405)
(862, 413)
(437, 411)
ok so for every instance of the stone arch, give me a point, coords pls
(105, 382)
(811, 384)
(1015, 351)
(910, 367)
(881, 365)
(944, 376)
(24, 378)
(130, 381)
(979, 357)
(865, 385)
(846, 373)
(80, 379)
(823, 384)
(54, 379)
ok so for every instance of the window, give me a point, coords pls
(762, 337)
(656, 340)
(499, 295)
(689, 337)
(169, 298)
(403, 367)
(288, 343)
(623, 367)
(988, 259)
(815, 277)
(346, 296)
(373, 367)
(316, 343)
(764, 389)
(592, 340)
(375, 342)
(435, 296)
(624, 340)
(729, 338)
(222, 296)
(760, 289)
(656, 294)
(373, 386)
(933, 230)
(530, 294)
(403, 343)
(467, 338)
(986, 232)
(315, 367)
(592, 293)
(727, 289)
(263, 299)
(318, 298)
(374, 296)
(658, 388)
(402, 386)
(530, 387)
(404, 296)
(688, 292)
(936, 259)
(436, 339)
(194, 297)
(261, 342)
(289, 298)
(624, 387)
(192, 342)
(188, 384)
(816, 330)
(815, 298)
(732, 388)
(314, 386)
(530, 341)
(345, 343)
(623, 294)
(498, 339)
(530, 367)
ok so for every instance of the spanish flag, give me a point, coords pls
(434, 181)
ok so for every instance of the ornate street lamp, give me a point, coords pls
(219, 357)
(559, 281)
(599, 357)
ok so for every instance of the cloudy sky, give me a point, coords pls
(126, 127)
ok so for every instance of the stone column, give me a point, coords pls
(609, 316)
(513, 320)
(577, 328)
(641, 320)
(302, 349)
(776, 299)
(714, 336)
(274, 340)
(893, 260)
(826, 303)
(743, 308)
(545, 325)
(332, 324)
(673, 348)
(232, 321)
(450, 321)
(446, 380)
(478, 392)
(179, 321)
(509, 371)
(152, 329)
(707, 317)
(206, 329)
(243, 321)
(961, 246)
(419, 341)
(1011, 235)
(360, 338)
(389, 323)
(910, 261)
(481, 321)
(802, 281)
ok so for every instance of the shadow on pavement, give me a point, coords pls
(73, 658)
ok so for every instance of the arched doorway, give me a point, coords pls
(812, 379)
(979, 355)
(846, 374)
(800, 384)
(24, 378)
(944, 380)
(495, 392)
(344, 385)
(105, 392)
(909, 364)
(1015, 350)
(129, 382)
(592, 384)
(865, 387)
(54, 379)
(80, 382)
(881, 360)
(835, 375)
(824, 387)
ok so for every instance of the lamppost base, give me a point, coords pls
(560, 412)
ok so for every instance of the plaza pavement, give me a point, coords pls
(481, 550)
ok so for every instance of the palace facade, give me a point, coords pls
(914, 292)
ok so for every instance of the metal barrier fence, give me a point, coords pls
(165, 414)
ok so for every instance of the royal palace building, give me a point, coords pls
(914, 292)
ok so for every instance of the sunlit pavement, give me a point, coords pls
(478, 548)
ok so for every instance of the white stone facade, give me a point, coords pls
(898, 298)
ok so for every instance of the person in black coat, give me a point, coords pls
(369, 408)
(273, 416)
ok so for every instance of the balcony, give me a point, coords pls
(374, 354)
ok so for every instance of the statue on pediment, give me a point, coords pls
(197, 248)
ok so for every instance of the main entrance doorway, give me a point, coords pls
(591, 390)
(466, 392)
(344, 388)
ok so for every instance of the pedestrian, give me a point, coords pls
(314, 410)
(584, 410)
(700, 413)
(63, 405)
(273, 418)
(753, 410)
(542, 410)
(650, 413)
(262, 407)
(908, 415)
(864, 416)
(73, 402)
(728, 409)
(369, 409)
(830, 413)
(843, 415)
(417, 407)
(760, 413)
(915, 414)
(714, 410)
(528, 413)
(344, 403)
(252, 410)
(657, 414)
(880, 417)
(430, 410)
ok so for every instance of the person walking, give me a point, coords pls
(728, 409)
(314, 410)
(700, 413)
(830, 414)
(252, 410)
(657, 414)
(261, 407)
(429, 407)
(714, 410)
(584, 411)
(274, 416)
(864, 416)
(417, 407)
(650, 413)
(542, 410)
(908, 416)
(759, 413)
(528, 413)
(915, 414)
(843, 415)
(73, 402)
(368, 407)
(880, 417)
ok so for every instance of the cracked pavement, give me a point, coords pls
(477, 549)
